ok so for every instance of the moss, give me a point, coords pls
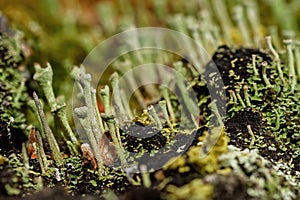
(12, 87)
(256, 154)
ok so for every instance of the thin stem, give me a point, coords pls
(99, 119)
(166, 96)
(238, 15)
(264, 65)
(254, 65)
(163, 106)
(40, 159)
(246, 95)
(276, 58)
(297, 59)
(62, 117)
(109, 119)
(119, 108)
(106, 99)
(237, 91)
(83, 115)
(48, 132)
(25, 161)
(145, 176)
(41, 153)
(153, 113)
(252, 136)
(291, 65)
(44, 77)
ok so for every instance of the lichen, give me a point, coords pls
(252, 153)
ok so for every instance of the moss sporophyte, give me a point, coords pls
(253, 152)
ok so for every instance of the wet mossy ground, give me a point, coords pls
(181, 170)
(260, 162)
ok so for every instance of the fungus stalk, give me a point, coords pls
(297, 59)
(252, 15)
(155, 117)
(252, 136)
(40, 159)
(165, 94)
(44, 77)
(238, 14)
(237, 91)
(277, 120)
(276, 58)
(292, 73)
(40, 151)
(124, 67)
(145, 176)
(186, 100)
(119, 108)
(85, 80)
(223, 18)
(48, 132)
(233, 98)
(106, 99)
(163, 106)
(264, 74)
(115, 135)
(125, 102)
(83, 115)
(254, 65)
(99, 119)
(246, 95)
(25, 161)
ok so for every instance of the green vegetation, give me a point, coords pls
(253, 154)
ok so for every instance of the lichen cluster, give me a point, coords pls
(251, 153)
(12, 87)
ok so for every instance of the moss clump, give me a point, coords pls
(12, 90)
(262, 108)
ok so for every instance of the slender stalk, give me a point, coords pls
(48, 132)
(297, 59)
(246, 95)
(163, 106)
(40, 159)
(252, 136)
(119, 108)
(99, 119)
(264, 74)
(276, 58)
(62, 117)
(145, 176)
(237, 91)
(83, 115)
(238, 15)
(41, 153)
(110, 120)
(166, 96)
(291, 65)
(254, 65)
(44, 77)
(153, 113)
(25, 161)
